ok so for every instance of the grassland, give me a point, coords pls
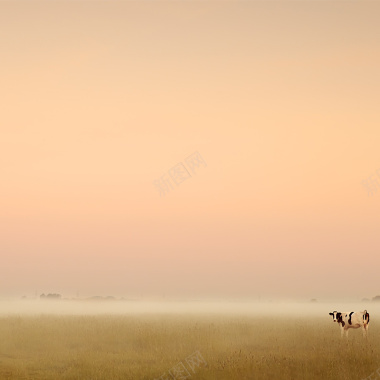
(122, 347)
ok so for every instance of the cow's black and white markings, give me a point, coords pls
(351, 320)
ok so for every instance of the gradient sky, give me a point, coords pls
(101, 99)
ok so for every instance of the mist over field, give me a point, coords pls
(185, 307)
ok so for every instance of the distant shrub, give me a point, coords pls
(51, 296)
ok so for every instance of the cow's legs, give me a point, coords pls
(341, 332)
(365, 331)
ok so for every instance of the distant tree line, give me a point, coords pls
(54, 296)
(374, 299)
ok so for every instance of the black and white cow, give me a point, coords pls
(351, 320)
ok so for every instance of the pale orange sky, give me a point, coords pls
(100, 99)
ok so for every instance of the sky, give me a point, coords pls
(190, 149)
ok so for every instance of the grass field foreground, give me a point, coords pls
(117, 347)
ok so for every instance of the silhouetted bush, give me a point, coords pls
(54, 296)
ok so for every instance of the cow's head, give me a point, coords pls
(337, 317)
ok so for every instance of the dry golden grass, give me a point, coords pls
(145, 347)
